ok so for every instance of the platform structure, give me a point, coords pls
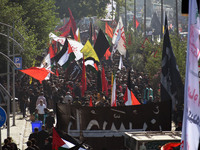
(152, 140)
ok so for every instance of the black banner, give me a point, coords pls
(109, 121)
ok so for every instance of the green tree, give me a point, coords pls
(34, 19)
(41, 18)
(82, 8)
(149, 58)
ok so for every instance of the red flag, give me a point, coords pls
(66, 27)
(57, 141)
(169, 146)
(96, 67)
(137, 23)
(66, 32)
(51, 51)
(57, 74)
(146, 40)
(69, 48)
(72, 21)
(104, 82)
(91, 105)
(129, 97)
(108, 30)
(37, 73)
(83, 79)
(107, 54)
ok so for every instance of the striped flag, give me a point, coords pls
(129, 97)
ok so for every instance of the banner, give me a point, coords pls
(113, 121)
(191, 116)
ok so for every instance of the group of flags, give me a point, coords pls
(73, 51)
(171, 84)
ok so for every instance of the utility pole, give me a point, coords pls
(13, 70)
(177, 17)
(125, 17)
(135, 17)
(145, 18)
(161, 34)
(8, 87)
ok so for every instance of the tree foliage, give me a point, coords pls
(149, 58)
(34, 19)
(82, 8)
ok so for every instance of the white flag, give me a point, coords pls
(61, 40)
(119, 38)
(120, 63)
(76, 48)
(46, 63)
(191, 116)
(113, 96)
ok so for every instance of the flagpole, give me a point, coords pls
(112, 10)
(125, 17)
(161, 34)
(135, 18)
(144, 18)
(177, 17)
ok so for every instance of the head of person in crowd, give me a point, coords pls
(36, 130)
(6, 142)
(150, 98)
(41, 102)
(29, 143)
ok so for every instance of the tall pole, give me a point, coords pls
(161, 34)
(8, 88)
(177, 17)
(13, 70)
(112, 10)
(144, 18)
(125, 17)
(135, 17)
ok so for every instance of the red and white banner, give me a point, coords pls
(61, 40)
(191, 117)
(119, 39)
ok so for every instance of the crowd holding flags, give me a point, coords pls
(171, 84)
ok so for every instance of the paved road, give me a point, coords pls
(20, 132)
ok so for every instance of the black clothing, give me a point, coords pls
(49, 122)
(6, 147)
(35, 147)
(13, 146)
(42, 135)
(29, 148)
(32, 105)
(48, 146)
(35, 136)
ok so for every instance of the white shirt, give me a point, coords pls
(41, 108)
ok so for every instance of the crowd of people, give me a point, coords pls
(40, 98)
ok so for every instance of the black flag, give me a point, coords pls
(171, 84)
(101, 44)
(73, 72)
